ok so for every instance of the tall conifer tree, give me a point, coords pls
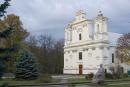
(4, 33)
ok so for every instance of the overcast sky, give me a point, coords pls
(51, 16)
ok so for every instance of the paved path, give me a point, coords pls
(61, 86)
(83, 85)
(64, 79)
(67, 76)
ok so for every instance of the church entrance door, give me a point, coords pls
(80, 69)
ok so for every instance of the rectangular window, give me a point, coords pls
(113, 58)
(80, 37)
(80, 55)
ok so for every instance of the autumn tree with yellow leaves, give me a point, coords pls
(123, 48)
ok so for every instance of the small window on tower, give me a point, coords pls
(113, 58)
(80, 37)
(80, 55)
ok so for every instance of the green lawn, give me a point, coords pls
(25, 82)
(116, 85)
(119, 83)
(78, 80)
(13, 82)
(71, 80)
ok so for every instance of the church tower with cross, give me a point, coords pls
(100, 23)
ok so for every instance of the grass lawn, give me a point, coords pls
(116, 85)
(78, 80)
(13, 82)
(113, 83)
(108, 84)
(25, 82)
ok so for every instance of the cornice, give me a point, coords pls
(87, 44)
(86, 20)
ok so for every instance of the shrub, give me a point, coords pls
(86, 77)
(6, 85)
(125, 75)
(89, 76)
(1, 68)
(108, 75)
(117, 71)
(45, 78)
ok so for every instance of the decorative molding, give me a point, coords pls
(79, 30)
(85, 49)
(87, 43)
(90, 54)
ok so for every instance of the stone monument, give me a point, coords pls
(99, 77)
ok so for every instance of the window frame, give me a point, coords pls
(80, 36)
(80, 55)
(113, 56)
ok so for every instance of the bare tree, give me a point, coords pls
(49, 53)
(58, 50)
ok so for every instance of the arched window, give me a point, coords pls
(80, 37)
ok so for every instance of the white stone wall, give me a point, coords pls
(92, 57)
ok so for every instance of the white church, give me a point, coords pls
(88, 44)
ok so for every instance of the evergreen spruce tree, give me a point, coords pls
(26, 66)
(4, 33)
(3, 7)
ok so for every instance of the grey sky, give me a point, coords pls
(51, 16)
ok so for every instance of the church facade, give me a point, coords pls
(87, 45)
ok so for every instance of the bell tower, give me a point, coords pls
(100, 27)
